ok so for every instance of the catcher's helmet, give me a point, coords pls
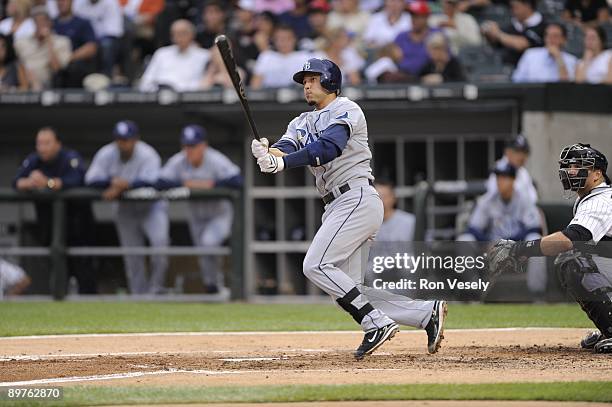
(580, 157)
(331, 77)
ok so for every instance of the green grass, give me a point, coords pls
(40, 318)
(571, 391)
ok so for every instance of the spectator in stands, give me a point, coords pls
(12, 74)
(199, 166)
(412, 43)
(384, 26)
(346, 14)
(44, 54)
(84, 47)
(129, 163)
(216, 73)
(180, 66)
(106, 18)
(596, 63)
(297, 18)
(509, 213)
(586, 12)
(243, 36)
(384, 68)
(398, 225)
(318, 11)
(18, 24)
(213, 24)
(442, 65)
(460, 28)
(142, 24)
(525, 31)
(13, 279)
(265, 23)
(549, 63)
(339, 49)
(275, 69)
(52, 167)
(516, 154)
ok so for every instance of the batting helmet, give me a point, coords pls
(331, 77)
(580, 157)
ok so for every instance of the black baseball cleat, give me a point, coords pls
(603, 346)
(374, 339)
(435, 326)
(589, 341)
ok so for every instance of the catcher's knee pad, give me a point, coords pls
(346, 303)
(580, 276)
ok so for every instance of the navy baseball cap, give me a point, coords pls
(519, 143)
(193, 134)
(505, 169)
(125, 130)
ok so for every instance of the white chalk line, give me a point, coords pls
(114, 376)
(273, 333)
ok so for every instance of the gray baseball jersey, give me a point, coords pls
(210, 221)
(354, 162)
(135, 220)
(522, 182)
(398, 228)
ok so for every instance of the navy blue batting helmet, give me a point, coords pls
(331, 77)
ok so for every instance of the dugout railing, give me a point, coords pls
(58, 251)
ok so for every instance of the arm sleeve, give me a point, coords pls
(147, 82)
(226, 172)
(235, 181)
(75, 172)
(594, 215)
(288, 143)
(325, 149)
(169, 175)
(27, 166)
(519, 74)
(148, 173)
(97, 175)
(577, 233)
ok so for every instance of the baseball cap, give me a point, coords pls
(193, 134)
(319, 5)
(125, 129)
(505, 169)
(419, 8)
(519, 143)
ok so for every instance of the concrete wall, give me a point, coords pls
(549, 132)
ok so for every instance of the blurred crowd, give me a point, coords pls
(152, 44)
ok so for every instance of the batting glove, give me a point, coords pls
(270, 164)
(259, 148)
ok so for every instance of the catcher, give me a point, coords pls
(583, 248)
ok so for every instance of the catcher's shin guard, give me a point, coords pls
(596, 303)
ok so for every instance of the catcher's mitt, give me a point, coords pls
(502, 259)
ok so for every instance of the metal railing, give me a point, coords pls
(58, 251)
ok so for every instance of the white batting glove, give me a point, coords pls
(270, 164)
(259, 148)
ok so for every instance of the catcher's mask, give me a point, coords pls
(576, 161)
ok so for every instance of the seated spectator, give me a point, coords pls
(525, 31)
(84, 47)
(13, 279)
(339, 49)
(179, 66)
(275, 69)
(588, 12)
(106, 18)
(346, 14)
(213, 24)
(142, 23)
(412, 43)
(516, 154)
(442, 66)
(398, 225)
(318, 11)
(596, 63)
(297, 18)
(384, 68)
(385, 25)
(44, 54)
(12, 74)
(18, 23)
(265, 23)
(243, 36)
(549, 63)
(216, 74)
(460, 28)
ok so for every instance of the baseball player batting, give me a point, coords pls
(583, 264)
(332, 140)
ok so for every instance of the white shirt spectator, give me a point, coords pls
(25, 30)
(353, 23)
(370, 5)
(522, 182)
(381, 32)
(537, 65)
(34, 55)
(277, 69)
(466, 32)
(105, 16)
(350, 61)
(182, 71)
(598, 69)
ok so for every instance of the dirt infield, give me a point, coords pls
(221, 359)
